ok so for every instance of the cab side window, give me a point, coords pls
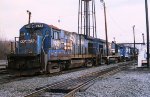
(56, 34)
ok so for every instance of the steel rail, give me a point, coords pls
(111, 72)
(72, 93)
(43, 89)
(36, 93)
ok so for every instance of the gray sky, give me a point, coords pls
(121, 16)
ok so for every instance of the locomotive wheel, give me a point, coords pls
(116, 60)
(62, 67)
(53, 68)
(89, 63)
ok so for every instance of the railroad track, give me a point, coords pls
(7, 78)
(70, 86)
(103, 74)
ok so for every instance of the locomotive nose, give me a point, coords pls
(30, 43)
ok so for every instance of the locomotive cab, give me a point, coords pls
(28, 50)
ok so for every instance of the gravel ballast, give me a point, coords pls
(129, 83)
(24, 87)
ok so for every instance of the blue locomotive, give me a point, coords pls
(46, 48)
(127, 53)
(121, 52)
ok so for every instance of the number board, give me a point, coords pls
(29, 26)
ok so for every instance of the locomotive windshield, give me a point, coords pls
(28, 41)
(30, 36)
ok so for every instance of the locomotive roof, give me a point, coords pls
(57, 28)
(52, 26)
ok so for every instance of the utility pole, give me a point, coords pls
(29, 16)
(134, 39)
(105, 27)
(147, 30)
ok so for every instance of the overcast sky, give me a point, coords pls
(121, 16)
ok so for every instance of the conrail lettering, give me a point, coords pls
(28, 41)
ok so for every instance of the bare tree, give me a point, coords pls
(4, 49)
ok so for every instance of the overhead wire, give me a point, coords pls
(111, 19)
(117, 26)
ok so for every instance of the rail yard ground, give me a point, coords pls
(133, 82)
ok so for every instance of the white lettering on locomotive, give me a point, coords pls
(39, 26)
(34, 26)
(28, 41)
